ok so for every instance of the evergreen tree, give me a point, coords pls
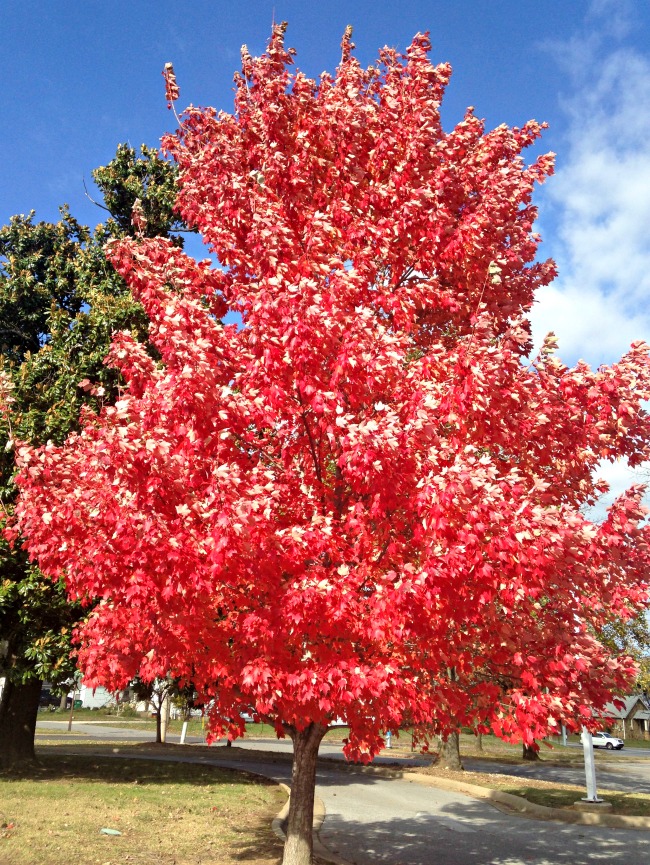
(60, 302)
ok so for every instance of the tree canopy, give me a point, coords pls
(364, 502)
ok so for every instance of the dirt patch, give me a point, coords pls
(494, 780)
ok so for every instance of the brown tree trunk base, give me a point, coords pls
(18, 712)
(159, 740)
(529, 753)
(299, 846)
(450, 753)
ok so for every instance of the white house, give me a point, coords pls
(94, 698)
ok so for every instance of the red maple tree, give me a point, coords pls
(362, 502)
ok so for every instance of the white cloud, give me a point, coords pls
(590, 324)
(620, 478)
(596, 210)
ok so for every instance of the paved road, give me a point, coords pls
(372, 819)
(400, 823)
(628, 752)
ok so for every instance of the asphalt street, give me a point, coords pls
(373, 819)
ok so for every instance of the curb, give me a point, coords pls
(517, 804)
(280, 819)
(279, 823)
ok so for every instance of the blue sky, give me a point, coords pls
(80, 76)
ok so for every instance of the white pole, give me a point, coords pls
(564, 735)
(388, 744)
(590, 767)
(183, 732)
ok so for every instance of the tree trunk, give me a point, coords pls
(164, 718)
(18, 711)
(450, 753)
(299, 846)
(63, 702)
(158, 726)
(479, 742)
(529, 753)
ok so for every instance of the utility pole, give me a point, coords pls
(590, 802)
(590, 767)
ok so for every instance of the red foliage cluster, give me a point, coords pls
(171, 87)
(362, 502)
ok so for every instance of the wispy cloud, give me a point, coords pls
(596, 211)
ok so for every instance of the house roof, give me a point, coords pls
(635, 706)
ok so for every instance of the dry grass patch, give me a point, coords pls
(167, 813)
(550, 793)
(625, 804)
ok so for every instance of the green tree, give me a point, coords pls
(631, 638)
(154, 694)
(60, 302)
(147, 179)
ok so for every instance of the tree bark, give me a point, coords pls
(18, 711)
(299, 846)
(450, 753)
(158, 726)
(479, 742)
(164, 718)
(529, 753)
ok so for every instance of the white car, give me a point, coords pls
(605, 740)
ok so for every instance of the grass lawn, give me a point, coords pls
(549, 793)
(143, 721)
(626, 804)
(169, 813)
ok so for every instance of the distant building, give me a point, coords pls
(631, 720)
(94, 698)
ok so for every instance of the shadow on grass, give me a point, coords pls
(129, 768)
(260, 766)
(256, 844)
